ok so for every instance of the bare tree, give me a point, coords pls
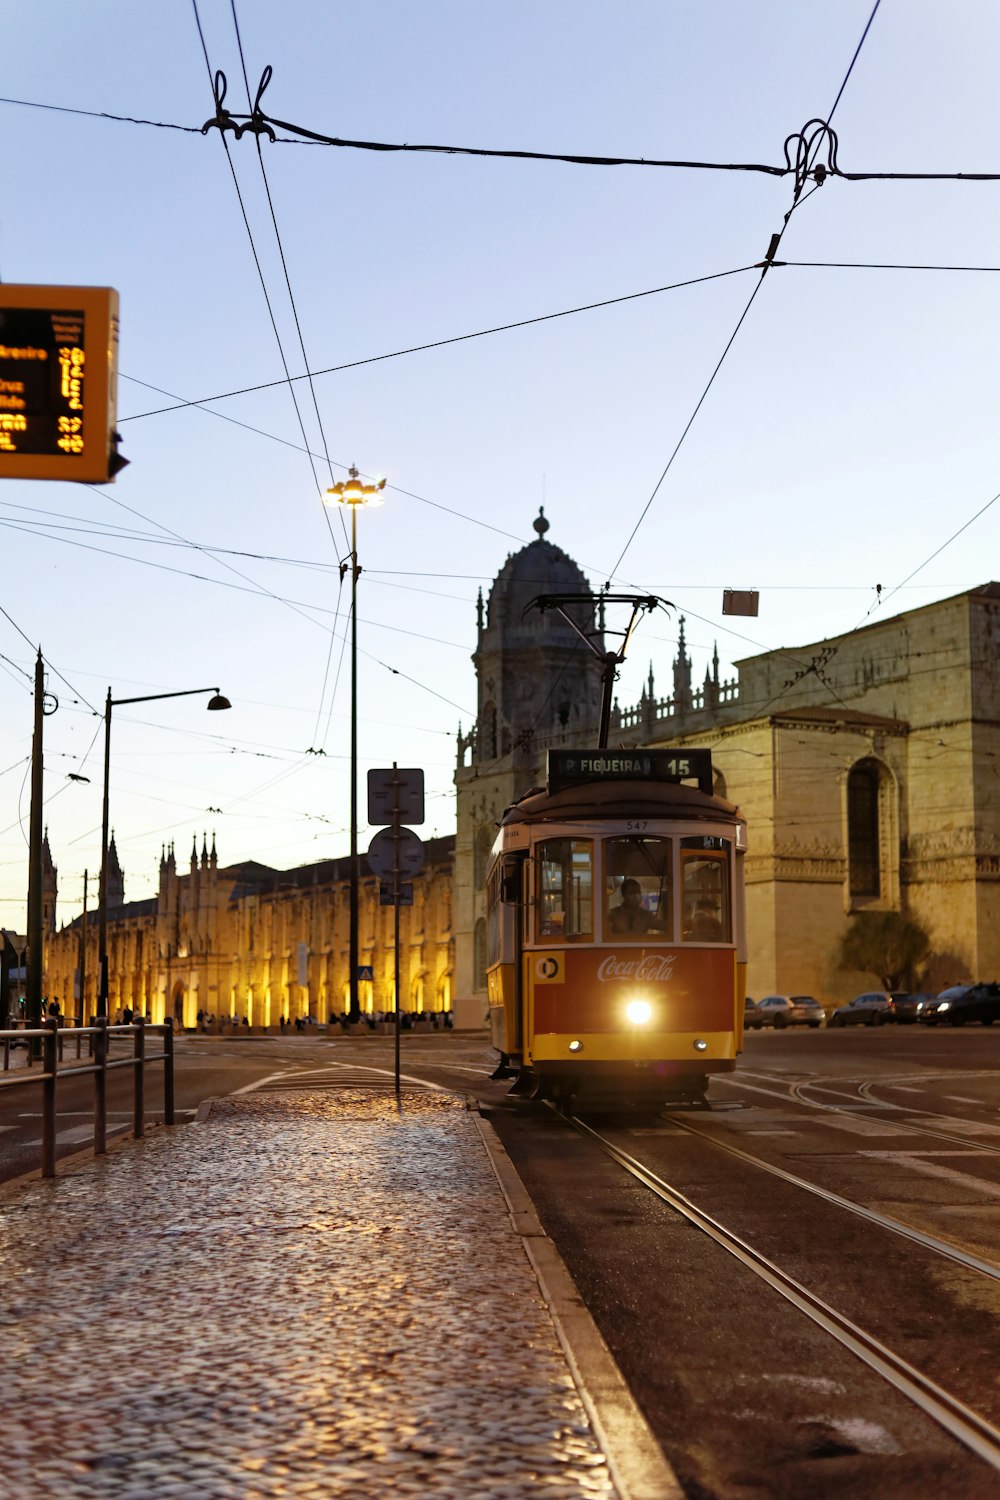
(885, 943)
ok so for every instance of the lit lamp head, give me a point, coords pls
(639, 1012)
(352, 492)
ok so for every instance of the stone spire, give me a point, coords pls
(682, 674)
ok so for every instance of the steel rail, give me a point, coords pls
(964, 1424)
(795, 1094)
(896, 1109)
(883, 1221)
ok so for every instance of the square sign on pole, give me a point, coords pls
(395, 795)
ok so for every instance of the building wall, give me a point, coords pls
(209, 943)
(918, 695)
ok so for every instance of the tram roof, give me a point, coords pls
(618, 799)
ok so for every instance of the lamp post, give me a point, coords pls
(217, 701)
(352, 493)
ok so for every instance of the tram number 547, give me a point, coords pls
(637, 825)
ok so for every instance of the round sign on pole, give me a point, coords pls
(404, 853)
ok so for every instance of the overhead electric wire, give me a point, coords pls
(312, 386)
(304, 137)
(260, 273)
(458, 338)
(764, 266)
(859, 265)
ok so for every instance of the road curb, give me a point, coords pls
(636, 1462)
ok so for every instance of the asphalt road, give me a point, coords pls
(747, 1397)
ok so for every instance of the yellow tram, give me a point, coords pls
(616, 931)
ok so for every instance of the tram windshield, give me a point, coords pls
(705, 890)
(637, 897)
(565, 896)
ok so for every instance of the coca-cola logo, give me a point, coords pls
(647, 967)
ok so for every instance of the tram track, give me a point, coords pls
(974, 1431)
(797, 1093)
(897, 1110)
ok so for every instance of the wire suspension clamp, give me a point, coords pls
(807, 145)
(255, 123)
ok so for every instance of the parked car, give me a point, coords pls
(964, 1002)
(877, 1007)
(907, 1008)
(789, 1010)
(751, 1015)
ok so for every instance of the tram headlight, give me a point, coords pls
(576, 1046)
(639, 1012)
(700, 1045)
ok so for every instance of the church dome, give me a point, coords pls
(539, 568)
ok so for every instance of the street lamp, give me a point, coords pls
(352, 493)
(217, 701)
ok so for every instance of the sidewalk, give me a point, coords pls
(308, 1294)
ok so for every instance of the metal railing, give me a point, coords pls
(53, 1038)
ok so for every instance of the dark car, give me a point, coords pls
(908, 1008)
(789, 1010)
(751, 1015)
(962, 1003)
(873, 1008)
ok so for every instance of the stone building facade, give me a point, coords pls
(538, 686)
(269, 945)
(867, 766)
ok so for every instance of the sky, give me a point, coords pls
(848, 435)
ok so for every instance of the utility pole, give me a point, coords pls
(352, 493)
(83, 957)
(34, 987)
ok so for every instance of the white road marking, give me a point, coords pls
(916, 1163)
(866, 1126)
(78, 1114)
(961, 1099)
(948, 1122)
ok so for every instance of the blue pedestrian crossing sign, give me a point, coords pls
(365, 971)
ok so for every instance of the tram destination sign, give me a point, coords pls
(577, 767)
(58, 382)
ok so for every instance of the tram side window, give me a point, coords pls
(493, 914)
(705, 887)
(637, 896)
(565, 897)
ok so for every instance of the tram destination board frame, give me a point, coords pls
(58, 382)
(584, 767)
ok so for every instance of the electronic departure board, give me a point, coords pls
(58, 382)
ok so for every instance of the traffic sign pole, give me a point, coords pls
(396, 852)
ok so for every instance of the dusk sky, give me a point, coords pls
(850, 433)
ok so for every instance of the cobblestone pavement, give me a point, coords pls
(310, 1295)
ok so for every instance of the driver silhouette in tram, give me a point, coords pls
(630, 916)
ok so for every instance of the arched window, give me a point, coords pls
(481, 855)
(864, 863)
(479, 955)
(488, 746)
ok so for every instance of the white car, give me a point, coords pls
(789, 1010)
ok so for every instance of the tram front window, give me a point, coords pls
(705, 893)
(565, 909)
(637, 902)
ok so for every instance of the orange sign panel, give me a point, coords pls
(58, 382)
